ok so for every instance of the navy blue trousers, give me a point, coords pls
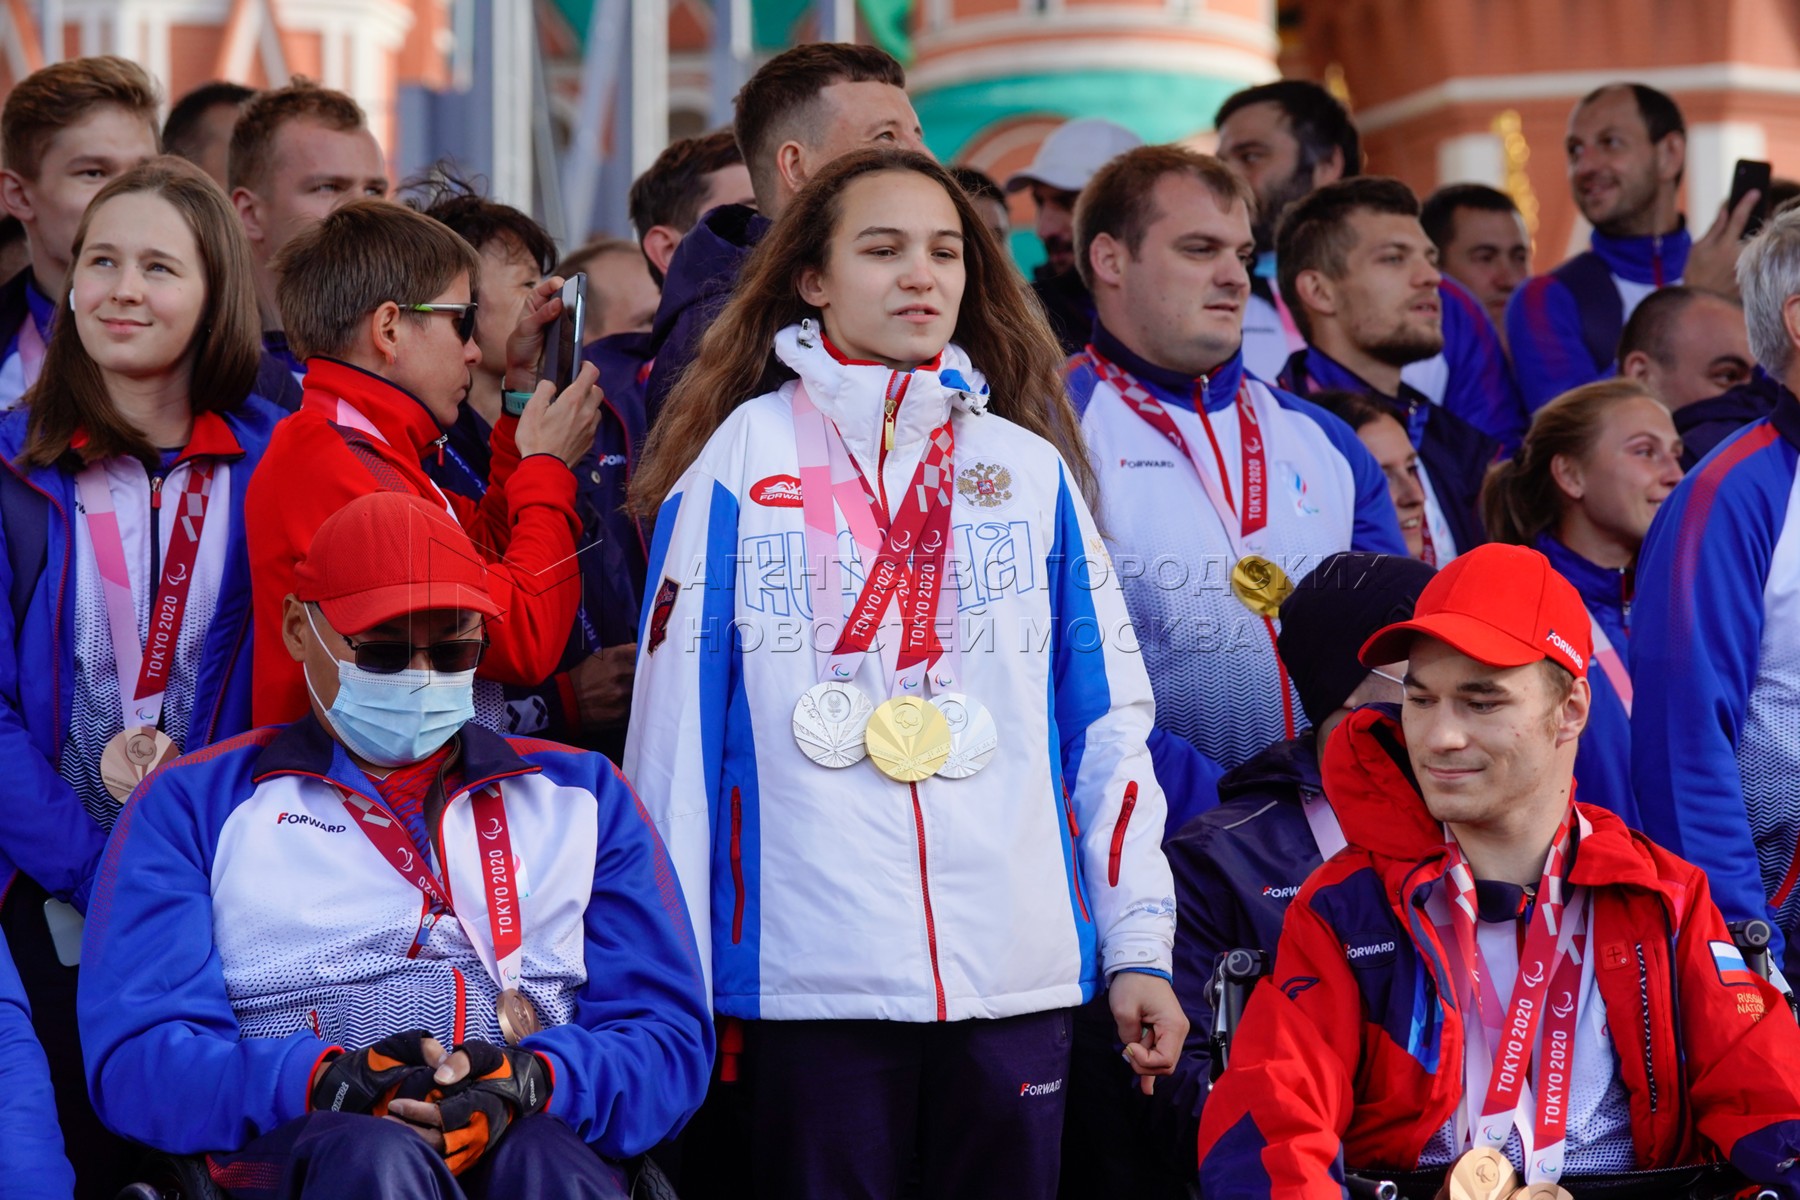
(861, 1110)
(351, 1156)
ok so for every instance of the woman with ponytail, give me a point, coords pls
(889, 716)
(1594, 468)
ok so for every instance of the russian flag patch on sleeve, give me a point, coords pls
(1728, 960)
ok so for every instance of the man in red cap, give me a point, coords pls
(1493, 978)
(382, 951)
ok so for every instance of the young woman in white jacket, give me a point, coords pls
(889, 715)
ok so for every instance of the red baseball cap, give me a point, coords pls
(1505, 606)
(387, 554)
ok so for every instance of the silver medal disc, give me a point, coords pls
(829, 724)
(973, 736)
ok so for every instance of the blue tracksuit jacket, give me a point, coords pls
(1545, 318)
(1716, 664)
(44, 830)
(1603, 764)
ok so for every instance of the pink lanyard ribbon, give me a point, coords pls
(1253, 464)
(906, 556)
(1549, 966)
(494, 836)
(144, 669)
(31, 351)
(340, 411)
(1613, 663)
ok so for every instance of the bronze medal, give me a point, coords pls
(908, 739)
(1481, 1174)
(131, 755)
(518, 1016)
(1260, 585)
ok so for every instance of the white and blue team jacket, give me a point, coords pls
(1715, 665)
(1211, 660)
(240, 926)
(821, 893)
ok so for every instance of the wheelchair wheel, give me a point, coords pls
(173, 1177)
(648, 1181)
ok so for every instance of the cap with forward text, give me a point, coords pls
(1505, 606)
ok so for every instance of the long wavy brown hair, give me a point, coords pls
(70, 396)
(999, 325)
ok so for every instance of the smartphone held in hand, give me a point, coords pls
(562, 337)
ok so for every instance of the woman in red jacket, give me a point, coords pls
(1491, 974)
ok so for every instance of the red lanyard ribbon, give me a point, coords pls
(914, 547)
(1549, 978)
(144, 670)
(1253, 455)
(493, 833)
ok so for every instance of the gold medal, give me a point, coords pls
(1481, 1174)
(518, 1016)
(908, 739)
(131, 755)
(1542, 1191)
(1260, 585)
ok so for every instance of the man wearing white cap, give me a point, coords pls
(1068, 158)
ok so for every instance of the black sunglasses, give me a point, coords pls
(390, 658)
(465, 316)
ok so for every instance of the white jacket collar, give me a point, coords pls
(853, 395)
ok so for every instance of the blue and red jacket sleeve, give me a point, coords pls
(632, 1064)
(166, 1065)
(1543, 331)
(1696, 638)
(1743, 1070)
(1275, 1121)
(1481, 389)
(36, 1168)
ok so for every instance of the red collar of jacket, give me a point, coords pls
(401, 417)
(211, 438)
(1371, 787)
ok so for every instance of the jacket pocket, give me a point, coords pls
(1118, 838)
(737, 866)
(1075, 854)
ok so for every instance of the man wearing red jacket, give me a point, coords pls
(380, 301)
(1491, 975)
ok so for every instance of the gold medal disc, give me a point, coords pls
(518, 1016)
(1480, 1174)
(131, 755)
(908, 739)
(1260, 585)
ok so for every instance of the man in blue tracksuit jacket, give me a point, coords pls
(384, 910)
(1716, 648)
(1627, 149)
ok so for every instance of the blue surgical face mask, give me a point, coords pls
(393, 720)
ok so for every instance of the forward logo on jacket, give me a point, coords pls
(777, 491)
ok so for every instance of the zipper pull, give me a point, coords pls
(887, 425)
(1204, 384)
(156, 482)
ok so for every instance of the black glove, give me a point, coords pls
(503, 1085)
(365, 1081)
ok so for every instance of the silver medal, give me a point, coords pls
(973, 736)
(829, 724)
